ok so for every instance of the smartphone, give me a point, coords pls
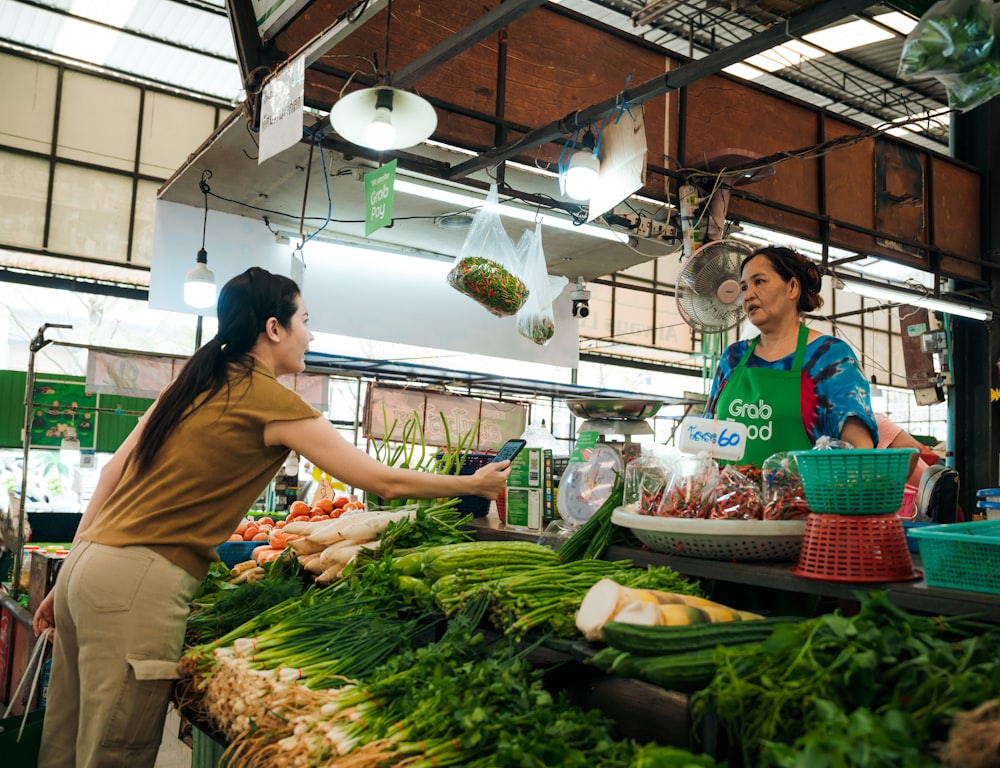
(509, 450)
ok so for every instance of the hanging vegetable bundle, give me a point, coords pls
(956, 42)
(486, 268)
(535, 320)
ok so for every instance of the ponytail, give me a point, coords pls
(245, 304)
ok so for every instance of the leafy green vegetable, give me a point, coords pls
(885, 680)
(952, 36)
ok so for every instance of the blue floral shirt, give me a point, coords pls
(833, 385)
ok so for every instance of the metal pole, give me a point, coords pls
(37, 344)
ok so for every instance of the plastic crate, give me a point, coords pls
(233, 552)
(855, 548)
(911, 543)
(961, 555)
(860, 481)
(477, 506)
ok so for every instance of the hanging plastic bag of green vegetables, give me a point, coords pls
(967, 90)
(536, 320)
(486, 268)
(952, 36)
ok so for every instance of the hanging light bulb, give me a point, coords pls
(380, 133)
(199, 285)
(383, 118)
(584, 169)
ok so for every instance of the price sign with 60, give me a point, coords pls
(722, 439)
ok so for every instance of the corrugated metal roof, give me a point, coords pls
(188, 45)
(179, 44)
(859, 83)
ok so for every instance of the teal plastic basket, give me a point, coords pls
(961, 555)
(859, 481)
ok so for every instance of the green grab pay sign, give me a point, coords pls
(378, 197)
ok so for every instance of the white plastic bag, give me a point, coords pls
(486, 269)
(536, 320)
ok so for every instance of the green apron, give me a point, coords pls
(767, 401)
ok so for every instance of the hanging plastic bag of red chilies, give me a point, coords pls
(486, 269)
(737, 497)
(536, 320)
(692, 490)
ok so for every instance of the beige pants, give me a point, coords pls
(120, 615)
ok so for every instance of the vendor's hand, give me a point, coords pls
(45, 616)
(491, 479)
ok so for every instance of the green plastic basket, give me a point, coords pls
(859, 481)
(961, 555)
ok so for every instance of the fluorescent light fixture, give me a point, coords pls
(463, 201)
(886, 293)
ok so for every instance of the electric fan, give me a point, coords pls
(708, 287)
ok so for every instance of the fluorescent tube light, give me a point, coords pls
(463, 201)
(887, 293)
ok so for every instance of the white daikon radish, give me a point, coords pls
(369, 528)
(332, 531)
(352, 552)
(300, 527)
(329, 555)
(305, 546)
(312, 563)
(330, 574)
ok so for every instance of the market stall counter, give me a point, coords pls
(914, 595)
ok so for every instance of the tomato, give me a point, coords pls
(318, 518)
(265, 521)
(260, 536)
(326, 505)
(340, 502)
(298, 508)
(281, 524)
(235, 537)
(250, 531)
(241, 528)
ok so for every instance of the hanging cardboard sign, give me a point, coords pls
(281, 110)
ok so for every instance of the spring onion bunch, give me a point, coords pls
(459, 701)
(545, 600)
(593, 538)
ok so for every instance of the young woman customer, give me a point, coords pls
(175, 489)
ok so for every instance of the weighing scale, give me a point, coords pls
(613, 416)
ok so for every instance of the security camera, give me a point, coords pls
(581, 299)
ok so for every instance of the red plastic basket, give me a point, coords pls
(861, 548)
